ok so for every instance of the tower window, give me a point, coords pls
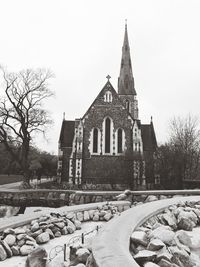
(95, 141)
(108, 97)
(119, 141)
(107, 135)
(127, 105)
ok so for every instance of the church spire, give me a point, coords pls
(126, 86)
(126, 80)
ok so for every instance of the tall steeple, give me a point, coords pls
(126, 85)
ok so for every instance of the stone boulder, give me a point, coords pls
(3, 254)
(164, 233)
(43, 238)
(145, 255)
(155, 244)
(187, 220)
(26, 249)
(35, 227)
(7, 248)
(180, 257)
(150, 264)
(139, 238)
(170, 219)
(37, 258)
(151, 198)
(10, 239)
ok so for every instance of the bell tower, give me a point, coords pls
(126, 85)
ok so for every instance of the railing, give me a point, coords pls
(78, 239)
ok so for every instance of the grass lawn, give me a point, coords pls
(7, 179)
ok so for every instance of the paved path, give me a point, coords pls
(16, 185)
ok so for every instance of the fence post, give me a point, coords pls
(65, 246)
(82, 238)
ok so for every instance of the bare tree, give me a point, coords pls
(22, 113)
(180, 157)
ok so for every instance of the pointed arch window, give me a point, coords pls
(107, 135)
(95, 140)
(108, 97)
(119, 141)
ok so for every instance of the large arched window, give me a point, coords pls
(107, 135)
(119, 141)
(95, 140)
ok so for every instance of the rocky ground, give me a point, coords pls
(169, 239)
(23, 241)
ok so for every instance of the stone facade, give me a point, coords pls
(109, 145)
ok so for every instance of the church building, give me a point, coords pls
(109, 147)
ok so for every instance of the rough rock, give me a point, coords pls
(37, 258)
(90, 261)
(7, 249)
(145, 255)
(180, 257)
(163, 233)
(77, 224)
(184, 238)
(187, 220)
(166, 263)
(86, 216)
(91, 213)
(64, 231)
(170, 220)
(21, 242)
(9, 231)
(155, 244)
(151, 198)
(107, 216)
(3, 254)
(139, 238)
(58, 234)
(70, 216)
(26, 249)
(35, 227)
(95, 217)
(35, 234)
(150, 264)
(71, 228)
(20, 231)
(60, 224)
(43, 238)
(15, 250)
(186, 224)
(10, 239)
(21, 236)
(82, 255)
(79, 216)
(163, 253)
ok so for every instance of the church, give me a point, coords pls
(109, 147)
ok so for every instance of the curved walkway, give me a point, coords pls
(111, 246)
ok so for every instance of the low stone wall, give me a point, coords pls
(78, 210)
(58, 198)
(111, 246)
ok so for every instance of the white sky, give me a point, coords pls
(81, 41)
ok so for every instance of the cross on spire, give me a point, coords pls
(108, 77)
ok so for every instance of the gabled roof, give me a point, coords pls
(148, 137)
(108, 86)
(67, 133)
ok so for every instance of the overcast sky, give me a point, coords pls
(81, 41)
